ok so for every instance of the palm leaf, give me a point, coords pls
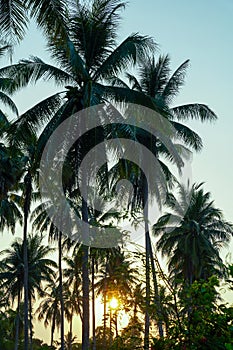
(30, 71)
(51, 15)
(154, 76)
(131, 50)
(8, 102)
(134, 82)
(194, 111)
(188, 136)
(32, 120)
(175, 82)
(4, 49)
(13, 19)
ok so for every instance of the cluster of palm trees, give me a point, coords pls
(91, 68)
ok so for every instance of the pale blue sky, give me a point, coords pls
(201, 31)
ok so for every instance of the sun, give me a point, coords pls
(113, 303)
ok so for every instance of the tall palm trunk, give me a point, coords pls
(61, 289)
(105, 305)
(27, 200)
(85, 285)
(156, 292)
(147, 246)
(17, 321)
(30, 321)
(93, 301)
(53, 329)
(85, 255)
(71, 328)
(86, 311)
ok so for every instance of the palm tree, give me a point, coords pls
(13, 270)
(43, 223)
(73, 284)
(11, 160)
(193, 238)
(115, 279)
(49, 308)
(157, 83)
(118, 275)
(41, 270)
(12, 277)
(12, 164)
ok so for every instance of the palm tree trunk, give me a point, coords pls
(147, 245)
(93, 301)
(52, 329)
(156, 292)
(61, 289)
(71, 328)
(85, 255)
(86, 311)
(25, 258)
(85, 285)
(17, 322)
(105, 306)
(30, 321)
(27, 199)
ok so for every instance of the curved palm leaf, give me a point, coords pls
(194, 111)
(13, 19)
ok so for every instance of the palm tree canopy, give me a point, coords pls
(156, 80)
(192, 235)
(41, 269)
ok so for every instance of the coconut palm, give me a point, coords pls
(49, 308)
(11, 160)
(73, 286)
(43, 223)
(194, 236)
(119, 277)
(12, 165)
(12, 275)
(41, 269)
(13, 270)
(115, 280)
(157, 83)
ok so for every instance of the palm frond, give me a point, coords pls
(68, 58)
(93, 29)
(188, 136)
(51, 15)
(131, 50)
(7, 101)
(32, 70)
(134, 82)
(4, 48)
(194, 111)
(175, 82)
(115, 81)
(13, 19)
(32, 120)
(154, 76)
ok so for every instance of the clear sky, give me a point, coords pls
(203, 32)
